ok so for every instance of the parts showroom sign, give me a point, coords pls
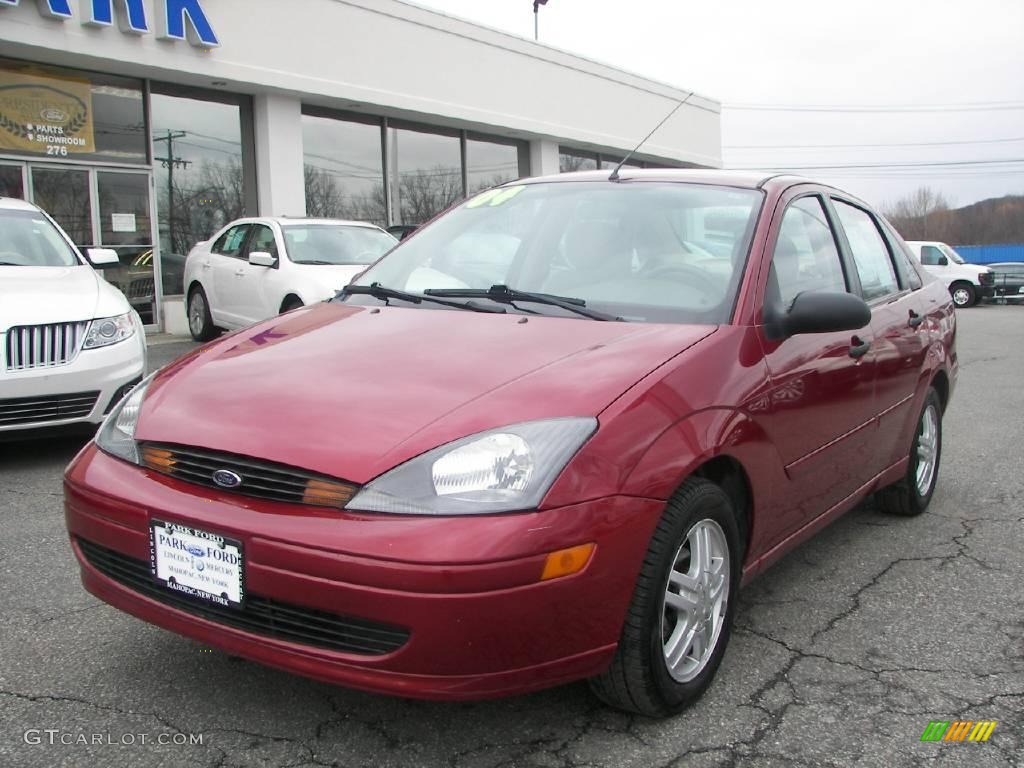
(45, 115)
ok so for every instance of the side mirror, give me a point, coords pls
(102, 257)
(820, 312)
(943, 261)
(261, 259)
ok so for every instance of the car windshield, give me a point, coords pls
(339, 244)
(953, 255)
(642, 251)
(28, 239)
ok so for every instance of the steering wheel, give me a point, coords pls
(684, 273)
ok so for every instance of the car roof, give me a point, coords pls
(286, 220)
(716, 176)
(16, 204)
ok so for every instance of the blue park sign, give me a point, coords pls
(175, 19)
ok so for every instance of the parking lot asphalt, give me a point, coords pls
(842, 654)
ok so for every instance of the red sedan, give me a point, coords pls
(545, 439)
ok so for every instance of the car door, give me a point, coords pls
(898, 315)
(253, 290)
(225, 258)
(819, 410)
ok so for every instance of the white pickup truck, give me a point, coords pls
(967, 283)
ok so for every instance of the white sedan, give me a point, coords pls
(70, 344)
(256, 268)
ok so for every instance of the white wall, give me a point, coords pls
(392, 58)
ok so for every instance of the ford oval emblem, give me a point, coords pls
(196, 551)
(225, 478)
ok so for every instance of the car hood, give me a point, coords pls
(329, 279)
(39, 295)
(352, 391)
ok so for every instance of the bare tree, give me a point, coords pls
(920, 215)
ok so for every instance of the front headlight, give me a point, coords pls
(116, 435)
(501, 470)
(109, 330)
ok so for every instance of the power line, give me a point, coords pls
(975, 107)
(952, 163)
(855, 146)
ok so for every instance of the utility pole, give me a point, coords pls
(170, 163)
(536, 16)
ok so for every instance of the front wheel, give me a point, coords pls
(911, 495)
(680, 617)
(963, 295)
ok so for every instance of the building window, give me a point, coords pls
(489, 163)
(575, 160)
(344, 169)
(203, 170)
(424, 173)
(62, 114)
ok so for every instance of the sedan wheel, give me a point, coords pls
(911, 495)
(200, 323)
(680, 617)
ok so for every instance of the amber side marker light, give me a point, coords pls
(565, 562)
(158, 458)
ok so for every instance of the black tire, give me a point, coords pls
(963, 294)
(197, 313)
(906, 497)
(291, 303)
(638, 679)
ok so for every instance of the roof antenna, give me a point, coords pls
(615, 173)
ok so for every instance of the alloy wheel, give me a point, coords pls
(694, 605)
(196, 314)
(927, 449)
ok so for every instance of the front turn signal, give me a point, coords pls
(566, 562)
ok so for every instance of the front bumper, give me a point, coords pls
(104, 371)
(480, 623)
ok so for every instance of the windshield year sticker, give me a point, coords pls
(495, 197)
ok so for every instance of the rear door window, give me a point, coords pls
(870, 253)
(231, 242)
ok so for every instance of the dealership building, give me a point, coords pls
(145, 125)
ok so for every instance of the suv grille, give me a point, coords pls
(259, 615)
(986, 278)
(262, 479)
(44, 346)
(26, 410)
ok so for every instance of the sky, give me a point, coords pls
(901, 82)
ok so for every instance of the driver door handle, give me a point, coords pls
(859, 347)
(915, 319)
(240, 273)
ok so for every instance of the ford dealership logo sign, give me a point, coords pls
(225, 478)
(173, 19)
(196, 551)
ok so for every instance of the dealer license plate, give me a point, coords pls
(197, 563)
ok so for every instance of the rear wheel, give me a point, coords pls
(200, 322)
(911, 495)
(680, 618)
(963, 295)
(292, 302)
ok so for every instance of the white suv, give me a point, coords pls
(256, 268)
(70, 343)
(967, 283)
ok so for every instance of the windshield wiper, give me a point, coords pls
(10, 264)
(382, 292)
(505, 295)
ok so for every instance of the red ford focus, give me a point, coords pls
(546, 438)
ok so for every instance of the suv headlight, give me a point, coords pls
(501, 470)
(109, 330)
(116, 435)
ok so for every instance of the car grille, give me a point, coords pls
(258, 615)
(262, 479)
(986, 278)
(141, 288)
(26, 410)
(43, 346)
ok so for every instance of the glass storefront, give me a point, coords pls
(489, 163)
(200, 172)
(344, 169)
(424, 174)
(580, 160)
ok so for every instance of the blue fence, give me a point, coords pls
(990, 254)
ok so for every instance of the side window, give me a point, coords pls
(230, 243)
(870, 253)
(806, 257)
(931, 256)
(909, 277)
(263, 240)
